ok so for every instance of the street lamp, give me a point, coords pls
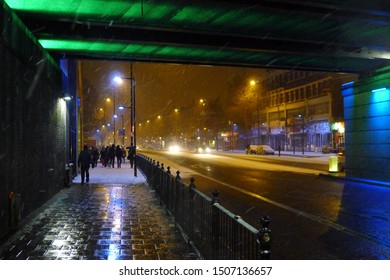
(303, 132)
(123, 131)
(115, 116)
(133, 127)
(253, 83)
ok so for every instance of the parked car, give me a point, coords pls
(265, 150)
(260, 150)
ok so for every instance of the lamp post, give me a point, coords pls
(253, 83)
(115, 116)
(105, 116)
(133, 124)
(300, 117)
(108, 138)
(123, 131)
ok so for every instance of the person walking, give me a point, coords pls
(106, 156)
(118, 154)
(131, 155)
(95, 156)
(83, 162)
(111, 153)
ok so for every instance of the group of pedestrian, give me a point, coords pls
(107, 155)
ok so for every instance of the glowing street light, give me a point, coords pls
(133, 128)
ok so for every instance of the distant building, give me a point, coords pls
(300, 110)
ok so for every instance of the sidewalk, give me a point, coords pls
(317, 157)
(114, 217)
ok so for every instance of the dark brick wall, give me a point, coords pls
(33, 120)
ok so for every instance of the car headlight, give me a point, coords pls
(200, 150)
(207, 150)
(174, 148)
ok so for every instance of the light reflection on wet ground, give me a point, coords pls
(99, 222)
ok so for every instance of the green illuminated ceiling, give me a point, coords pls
(197, 15)
(140, 50)
(268, 33)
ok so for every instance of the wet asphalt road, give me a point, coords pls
(313, 217)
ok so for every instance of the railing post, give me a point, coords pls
(264, 239)
(177, 197)
(192, 207)
(155, 177)
(215, 226)
(166, 189)
(161, 181)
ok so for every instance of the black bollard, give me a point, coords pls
(178, 175)
(192, 183)
(264, 239)
(215, 227)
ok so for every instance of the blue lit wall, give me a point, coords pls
(367, 126)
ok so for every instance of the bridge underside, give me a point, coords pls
(328, 35)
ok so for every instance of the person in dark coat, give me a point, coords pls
(95, 156)
(131, 154)
(111, 153)
(83, 162)
(118, 154)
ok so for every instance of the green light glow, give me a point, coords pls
(87, 46)
(140, 50)
(72, 7)
(187, 14)
(117, 10)
(162, 13)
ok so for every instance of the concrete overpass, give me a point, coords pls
(41, 42)
(351, 36)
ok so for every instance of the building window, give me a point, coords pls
(319, 109)
(294, 113)
(281, 98)
(274, 116)
(308, 92)
(315, 90)
(288, 96)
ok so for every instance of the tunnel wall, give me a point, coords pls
(33, 123)
(367, 126)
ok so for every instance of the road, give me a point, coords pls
(312, 216)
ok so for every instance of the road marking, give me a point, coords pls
(312, 217)
(315, 218)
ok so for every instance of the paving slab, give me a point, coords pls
(114, 217)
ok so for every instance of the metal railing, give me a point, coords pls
(213, 231)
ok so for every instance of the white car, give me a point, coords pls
(261, 150)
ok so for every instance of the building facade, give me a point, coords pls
(300, 111)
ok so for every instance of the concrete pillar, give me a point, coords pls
(367, 126)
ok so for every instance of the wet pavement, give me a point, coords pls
(114, 217)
